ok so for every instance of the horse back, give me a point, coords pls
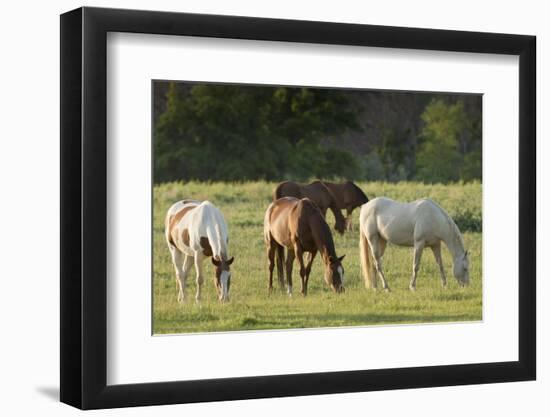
(391, 220)
(196, 226)
(402, 223)
(287, 189)
(320, 194)
(175, 215)
(308, 226)
(209, 223)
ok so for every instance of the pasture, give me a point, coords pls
(243, 206)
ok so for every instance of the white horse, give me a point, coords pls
(419, 224)
(195, 231)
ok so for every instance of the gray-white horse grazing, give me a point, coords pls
(418, 224)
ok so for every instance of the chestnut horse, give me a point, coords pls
(348, 196)
(299, 226)
(317, 192)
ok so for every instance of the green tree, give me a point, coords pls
(228, 132)
(438, 158)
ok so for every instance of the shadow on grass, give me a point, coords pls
(368, 318)
(301, 321)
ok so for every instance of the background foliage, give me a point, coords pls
(239, 132)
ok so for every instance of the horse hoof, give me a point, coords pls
(387, 290)
(413, 289)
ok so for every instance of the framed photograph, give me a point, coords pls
(257, 208)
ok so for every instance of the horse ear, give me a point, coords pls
(341, 258)
(215, 261)
(230, 261)
(466, 253)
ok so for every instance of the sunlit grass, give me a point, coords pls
(243, 206)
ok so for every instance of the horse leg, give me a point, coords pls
(381, 250)
(271, 260)
(289, 261)
(187, 264)
(200, 277)
(309, 257)
(349, 226)
(280, 258)
(436, 249)
(418, 248)
(300, 255)
(308, 270)
(378, 246)
(178, 259)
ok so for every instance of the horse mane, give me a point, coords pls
(358, 190)
(452, 226)
(220, 241)
(216, 242)
(324, 229)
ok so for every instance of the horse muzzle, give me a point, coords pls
(338, 290)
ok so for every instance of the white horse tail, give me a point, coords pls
(367, 261)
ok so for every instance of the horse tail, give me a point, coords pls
(367, 261)
(267, 221)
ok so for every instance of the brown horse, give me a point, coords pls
(317, 192)
(299, 226)
(348, 196)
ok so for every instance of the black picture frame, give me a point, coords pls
(84, 207)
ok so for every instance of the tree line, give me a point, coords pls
(224, 132)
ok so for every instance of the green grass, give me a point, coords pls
(243, 206)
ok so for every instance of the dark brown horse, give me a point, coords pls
(299, 226)
(317, 192)
(348, 196)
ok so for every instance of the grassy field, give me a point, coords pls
(243, 206)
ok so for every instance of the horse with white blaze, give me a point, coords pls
(194, 231)
(419, 224)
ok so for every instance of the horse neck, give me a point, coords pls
(360, 196)
(454, 241)
(216, 240)
(334, 207)
(322, 237)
